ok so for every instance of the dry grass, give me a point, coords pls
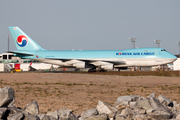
(81, 92)
(141, 73)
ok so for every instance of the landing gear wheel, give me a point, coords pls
(93, 69)
(102, 70)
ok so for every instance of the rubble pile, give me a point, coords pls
(133, 107)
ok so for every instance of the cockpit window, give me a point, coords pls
(163, 50)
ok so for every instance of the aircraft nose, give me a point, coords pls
(173, 57)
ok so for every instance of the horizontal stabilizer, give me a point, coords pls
(18, 53)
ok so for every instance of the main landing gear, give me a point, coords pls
(95, 69)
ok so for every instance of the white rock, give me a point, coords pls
(162, 98)
(106, 108)
(140, 117)
(88, 113)
(130, 98)
(126, 112)
(7, 96)
(152, 95)
(53, 114)
(132, 104)
(178, 117)
(32, 108)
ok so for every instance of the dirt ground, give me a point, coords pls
(80, 92)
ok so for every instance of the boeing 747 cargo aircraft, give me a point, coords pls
(94, 59)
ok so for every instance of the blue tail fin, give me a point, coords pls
(23, 41)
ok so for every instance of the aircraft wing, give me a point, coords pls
(106, 61)
(92, 61)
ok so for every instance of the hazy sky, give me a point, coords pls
(92, 24)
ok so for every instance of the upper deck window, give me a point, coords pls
(163, 50)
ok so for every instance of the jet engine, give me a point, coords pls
(107, 67)
(79, 65)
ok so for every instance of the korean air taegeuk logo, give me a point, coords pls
(22, 41)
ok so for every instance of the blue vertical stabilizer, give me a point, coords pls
(23, 41)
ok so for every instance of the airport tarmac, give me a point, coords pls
(80, 92)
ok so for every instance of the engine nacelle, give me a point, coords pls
(107, 67)
(79, 65)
